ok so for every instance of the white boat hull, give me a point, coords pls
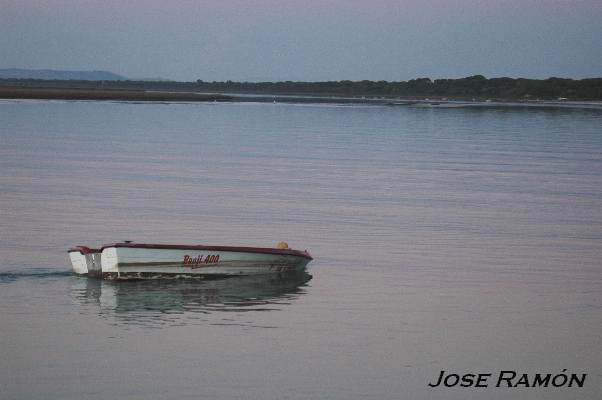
(85, 261)
(137, 261)
(78, 261)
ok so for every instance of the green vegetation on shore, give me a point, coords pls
(477, 87)
(466, 88)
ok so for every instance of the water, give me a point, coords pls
(465, 240)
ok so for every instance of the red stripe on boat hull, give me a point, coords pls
(238, 249)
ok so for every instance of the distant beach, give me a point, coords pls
(105, 94)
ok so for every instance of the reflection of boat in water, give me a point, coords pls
(144, 299)
(129, 260)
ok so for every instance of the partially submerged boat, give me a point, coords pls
(129, 260)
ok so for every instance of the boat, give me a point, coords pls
(129, 260)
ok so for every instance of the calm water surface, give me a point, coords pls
(463, 240)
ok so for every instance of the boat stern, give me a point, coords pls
(85, 261)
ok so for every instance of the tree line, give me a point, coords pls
(472, 87)
(476, 86)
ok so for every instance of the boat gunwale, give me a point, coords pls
(83, 250)
(236, 249)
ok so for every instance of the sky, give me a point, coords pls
(309, 40)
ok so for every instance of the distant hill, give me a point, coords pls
(51, 74)
(153, 80)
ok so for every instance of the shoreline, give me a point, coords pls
(94, 94)
(7, 92)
